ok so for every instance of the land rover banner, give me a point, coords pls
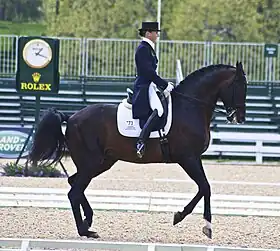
(12, 142)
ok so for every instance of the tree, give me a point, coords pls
(270, 20)
(20, 10)
(215, 20)
(212, 20)
(99, 18)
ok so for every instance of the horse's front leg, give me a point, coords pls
(193, 167)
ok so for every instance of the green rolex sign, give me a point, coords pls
(270, 50)
(38, 64)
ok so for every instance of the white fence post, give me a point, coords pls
(179, 73)
(259, 156)
(152, 247)
(25, 245)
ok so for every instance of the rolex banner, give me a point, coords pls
(38, 64)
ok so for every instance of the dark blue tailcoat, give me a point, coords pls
(146, 65)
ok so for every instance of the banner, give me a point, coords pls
(12, 141)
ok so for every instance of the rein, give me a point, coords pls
(202, 102)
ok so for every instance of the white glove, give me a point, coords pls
(168, 89)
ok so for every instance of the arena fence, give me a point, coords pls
(257, 145)
(100, 57)
(240, 205)
(48, 244)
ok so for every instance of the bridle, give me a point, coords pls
(202, 102)
(230, 110)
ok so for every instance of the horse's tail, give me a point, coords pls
(49, 142)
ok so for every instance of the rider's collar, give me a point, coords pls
(151, 43)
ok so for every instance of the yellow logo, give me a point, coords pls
(36, 77)
(35, 86)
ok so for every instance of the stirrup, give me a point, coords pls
(140, 146)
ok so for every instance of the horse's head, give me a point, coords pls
(204, 86)
(234, 96)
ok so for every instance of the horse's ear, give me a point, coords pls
(239, 65)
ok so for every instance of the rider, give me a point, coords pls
(146, 65)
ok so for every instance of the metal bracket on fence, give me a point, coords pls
(25, 144)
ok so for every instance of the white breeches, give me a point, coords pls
(154, 100)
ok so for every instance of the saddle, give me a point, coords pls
(130, 127)
(164, 102)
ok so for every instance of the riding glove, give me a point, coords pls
(168, 89)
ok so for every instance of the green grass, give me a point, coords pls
(17, 28)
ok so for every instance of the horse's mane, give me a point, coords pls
(196, 75)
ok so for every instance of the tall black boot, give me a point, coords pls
(145, 133)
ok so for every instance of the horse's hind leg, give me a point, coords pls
(88, 213)
(88, 163)
(194, 169)
(76, 196)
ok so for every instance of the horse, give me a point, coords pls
(95, 144)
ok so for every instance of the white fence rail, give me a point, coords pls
(258, 147)
(47, 244)
(140, 201)
(99, 57)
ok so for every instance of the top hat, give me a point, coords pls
(149, 26)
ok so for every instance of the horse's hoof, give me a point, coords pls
(92, 234)
(89, 234)
(83, 230)
(207, 232)
(177, 218)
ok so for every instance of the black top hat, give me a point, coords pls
(149, 26)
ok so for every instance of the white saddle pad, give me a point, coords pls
(130, 127)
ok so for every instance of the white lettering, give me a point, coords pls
(19, 147)
(3, 139)
(11, 147)
(10, 139)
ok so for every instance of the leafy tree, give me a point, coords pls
(270, 20)
(99, 18)
(20, 10)
(214, 20)
(191, 20)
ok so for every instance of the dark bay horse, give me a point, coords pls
(95, 144)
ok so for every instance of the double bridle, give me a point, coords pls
(230, 111)
(202, 102)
